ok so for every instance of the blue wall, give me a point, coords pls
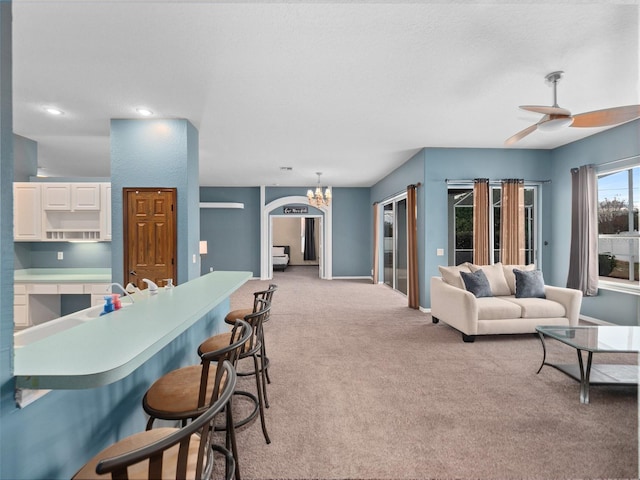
(352, 232)
(233, 235)
(432, 167)
(614, 144)
(6, 242)
(156, 153)
(25, 154)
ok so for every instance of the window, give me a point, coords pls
(618, 246)
(461, 224)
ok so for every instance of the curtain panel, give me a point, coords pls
(413, 290)
(309, 239)
(583, 254)
(512, 239)
(376, 240)
(481, 247)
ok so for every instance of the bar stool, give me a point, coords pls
(182, 394)
(253, 349)
(186, 452)
(233, 315)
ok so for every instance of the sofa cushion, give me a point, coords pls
(476, 283)
(495, 275)
(494, 308)
(529, 284)
(451, 275)
(538, 307)
(511, 277)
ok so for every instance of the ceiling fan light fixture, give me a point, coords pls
(555, 124)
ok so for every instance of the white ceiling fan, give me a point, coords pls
(556, 117)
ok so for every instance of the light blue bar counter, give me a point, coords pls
(110, 347)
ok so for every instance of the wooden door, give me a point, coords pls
(150, 243)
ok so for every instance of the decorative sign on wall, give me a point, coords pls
(295, 210)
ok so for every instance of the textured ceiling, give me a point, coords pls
(351, 89)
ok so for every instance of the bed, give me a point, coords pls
(280, 256)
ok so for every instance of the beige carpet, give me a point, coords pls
(365, 388)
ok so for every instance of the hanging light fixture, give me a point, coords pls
(317, 199)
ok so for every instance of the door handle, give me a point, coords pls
(133, 272)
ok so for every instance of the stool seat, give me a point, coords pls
(214, 343)
(176, 393)
(234, 315)
(141, 470)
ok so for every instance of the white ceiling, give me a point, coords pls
(351, 89)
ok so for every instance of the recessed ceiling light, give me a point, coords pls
(53, 111)
(145, 112)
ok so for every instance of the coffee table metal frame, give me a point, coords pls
(601, 374)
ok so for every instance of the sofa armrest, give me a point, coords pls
(454, 306)
(570, 298)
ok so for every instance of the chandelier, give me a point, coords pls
(317, 199)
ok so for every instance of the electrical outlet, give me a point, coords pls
(60, 255)
(211, 269)
(194, 258)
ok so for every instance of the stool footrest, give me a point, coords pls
(250, 417)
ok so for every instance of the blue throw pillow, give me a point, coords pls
(477, 283)
(529, 284)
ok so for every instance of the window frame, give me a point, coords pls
(536, 225)
(605, 282)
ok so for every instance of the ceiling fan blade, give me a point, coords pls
(606, 117)
(546, 110)
(520, 135)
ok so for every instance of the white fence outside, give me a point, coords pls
(625, 247)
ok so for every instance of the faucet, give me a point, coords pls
(153, 288)
(115, 284)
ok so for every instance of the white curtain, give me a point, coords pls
(583, 257)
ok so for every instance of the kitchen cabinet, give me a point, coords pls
(56, 211)
(106, 212)
(71, 196)
(20, 313)
(36, 303)
(27, 211)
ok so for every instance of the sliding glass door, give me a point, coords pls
(395, 244)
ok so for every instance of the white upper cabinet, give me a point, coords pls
(55, 211)
(27, 217)
(71, 196)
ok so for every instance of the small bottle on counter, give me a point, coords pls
(115, 299)
(108, 305)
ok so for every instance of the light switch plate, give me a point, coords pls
(60, 255)
(440, 252)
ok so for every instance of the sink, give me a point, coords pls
(44, 330)
(38, 332)
(94, 312)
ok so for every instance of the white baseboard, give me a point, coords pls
(364, 277)
(595, 321)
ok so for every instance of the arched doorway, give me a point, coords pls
(325, 247)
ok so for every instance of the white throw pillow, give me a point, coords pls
(277, 251)
(451, 275)
(510, 276)
(495, 275)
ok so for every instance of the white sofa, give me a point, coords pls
(502, 312)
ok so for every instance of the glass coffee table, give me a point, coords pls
(594, 339)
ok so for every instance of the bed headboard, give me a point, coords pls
(287, 249)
